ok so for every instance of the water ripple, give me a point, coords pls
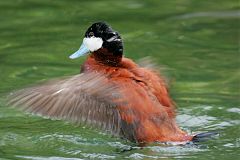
(47, 158)
(222, 14)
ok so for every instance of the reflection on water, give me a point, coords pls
(47, 158)
(224, 14)
(197, 41)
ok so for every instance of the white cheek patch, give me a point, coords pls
(93, 43)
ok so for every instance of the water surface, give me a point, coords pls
(196, 41)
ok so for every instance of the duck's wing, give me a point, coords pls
(85, 98)
(150, 64)
(158, 83)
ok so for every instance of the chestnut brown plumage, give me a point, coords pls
(111, 92)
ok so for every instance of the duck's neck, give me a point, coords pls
(103, 56)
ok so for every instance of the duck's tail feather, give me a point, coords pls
(200, 137)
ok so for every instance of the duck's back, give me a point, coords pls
(149, 113)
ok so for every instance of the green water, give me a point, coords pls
(196, 41)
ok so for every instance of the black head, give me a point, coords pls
(111, 39)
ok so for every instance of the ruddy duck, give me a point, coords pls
(111, 92)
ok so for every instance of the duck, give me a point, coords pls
(111, 93)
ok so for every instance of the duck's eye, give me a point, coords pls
(91, 34)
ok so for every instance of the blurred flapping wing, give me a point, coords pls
(86, 98)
